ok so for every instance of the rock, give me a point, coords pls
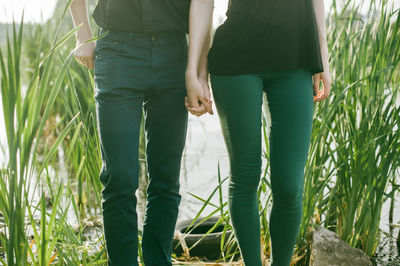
(328, 249)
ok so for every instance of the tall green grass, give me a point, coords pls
(25, 119)
(49, 103)
(356, 134)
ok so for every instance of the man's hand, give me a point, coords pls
(198, 101)
(84, 50)
(84, 53)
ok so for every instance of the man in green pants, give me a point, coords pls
(139, 64)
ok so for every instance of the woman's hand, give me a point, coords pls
(326, 79)
(198, 101)
(84, 51)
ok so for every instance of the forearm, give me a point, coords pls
(320, 17)
(203, 64)
(200, 23)
(79, 13)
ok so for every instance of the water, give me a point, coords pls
(205, 148)
(388, 251)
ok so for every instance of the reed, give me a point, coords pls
(354, 150)
(355, 146)
(29, 113)
(25, 119)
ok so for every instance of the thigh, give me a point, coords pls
(121, 62)
(119, 113)
(166, 125)
(238, 100)
(290, 101)
(169, 62)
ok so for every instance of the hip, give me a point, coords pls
(140, 60)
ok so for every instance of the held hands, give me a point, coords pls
(198, 101)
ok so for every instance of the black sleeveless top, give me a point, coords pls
(266, 35)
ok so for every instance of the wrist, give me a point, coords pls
(191, 73)
(203, 74)
(84, 33)
(324, 49)
(325, 55)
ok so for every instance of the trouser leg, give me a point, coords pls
(119, 113)
(165, 125)
(290, 101)
(238, 100)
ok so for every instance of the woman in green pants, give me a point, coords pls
(276, 47)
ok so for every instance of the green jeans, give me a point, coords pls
(135, 72)
(239, 104)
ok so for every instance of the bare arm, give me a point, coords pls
(325, 76)
(203, 76)
(200, 23)
(203, 63)
(84, 53)
(320, 16)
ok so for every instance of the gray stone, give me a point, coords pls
(328, 249)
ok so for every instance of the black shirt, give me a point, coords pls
(266, 35)
(143, 15)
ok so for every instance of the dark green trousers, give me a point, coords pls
(238, 100)
(135, 72)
